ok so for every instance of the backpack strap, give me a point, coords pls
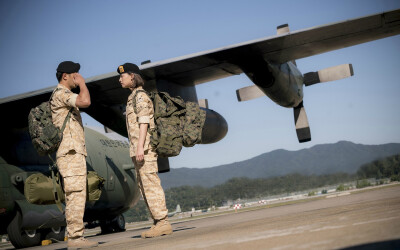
(66, 120)
(178, 102)
(134, 98)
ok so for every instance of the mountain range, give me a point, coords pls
(343, 156)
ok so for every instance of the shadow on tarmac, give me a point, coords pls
(176, 229)
(389, 244)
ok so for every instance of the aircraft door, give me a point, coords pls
(114, 174)
(111, 173)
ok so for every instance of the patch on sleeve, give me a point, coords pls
(139, 99)
(72, 100)
(68, 98)
(143, 109)
(142, 104)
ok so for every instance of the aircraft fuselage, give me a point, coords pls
(108, 157)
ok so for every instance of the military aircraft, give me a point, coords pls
(177, 210)
(268, 62)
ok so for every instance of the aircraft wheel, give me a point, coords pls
(118, 223)
(55, 234)
(22, 238)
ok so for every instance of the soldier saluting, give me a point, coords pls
(139, 120)
(71, 153)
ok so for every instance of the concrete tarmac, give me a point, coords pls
(369, 219)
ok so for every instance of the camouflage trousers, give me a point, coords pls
(72, 167)
(150, 185)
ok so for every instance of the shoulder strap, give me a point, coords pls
(53, 93)
(178, 102)
(66, 120)
(134, 98)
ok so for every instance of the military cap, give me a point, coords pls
(68, 67)
(128, 67)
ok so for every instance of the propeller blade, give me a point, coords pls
(203, 103)
(329, 74)
(249, 93)
(284, 29)
(302, 127)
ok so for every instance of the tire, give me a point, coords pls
(118, 223)
(22, 238)
(55, 234)
(113, 226)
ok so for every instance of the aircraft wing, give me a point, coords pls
(223, 62)
(108, 97)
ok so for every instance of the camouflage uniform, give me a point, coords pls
(146, 171)
(71, 159)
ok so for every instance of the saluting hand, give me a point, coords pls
(78, 79)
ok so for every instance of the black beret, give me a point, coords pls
(68, 67)
(128, 67)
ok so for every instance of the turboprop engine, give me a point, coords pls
(283, 84)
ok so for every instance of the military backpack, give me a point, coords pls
(46, 137)
(178, 123)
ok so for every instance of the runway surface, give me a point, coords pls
(363, 220)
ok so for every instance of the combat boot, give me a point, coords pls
(81, 243)
(162, 227)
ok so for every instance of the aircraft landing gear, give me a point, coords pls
(55, 234)
(22, 238)
(115, 225)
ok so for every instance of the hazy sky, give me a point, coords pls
(37, 35)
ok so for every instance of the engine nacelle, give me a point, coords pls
(215, 127)
(282, 83)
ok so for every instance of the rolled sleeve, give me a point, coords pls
(144, 119)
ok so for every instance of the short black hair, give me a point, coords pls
(59, 75)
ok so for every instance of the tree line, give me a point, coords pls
(198, 197)
(385, 168)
